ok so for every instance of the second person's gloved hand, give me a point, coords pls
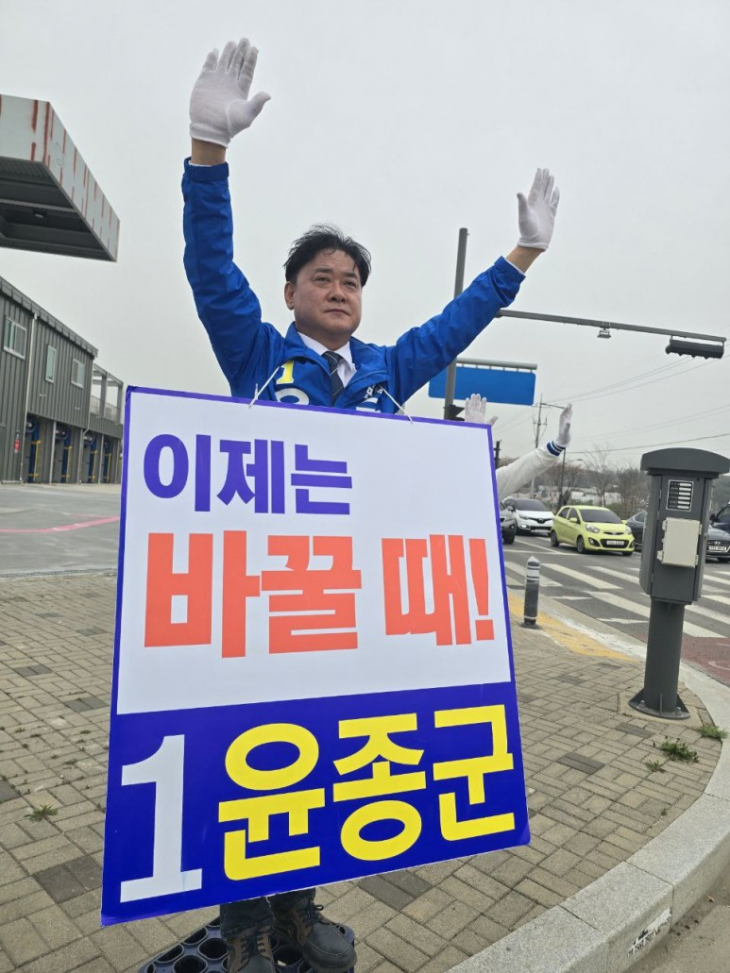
(475, 410)
(566, 418)
(219, 105)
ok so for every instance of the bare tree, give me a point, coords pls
(601, 473)
(631, 485)
(563, 478)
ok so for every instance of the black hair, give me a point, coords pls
(325, 237)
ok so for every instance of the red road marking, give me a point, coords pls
(710, 655)
(60, 527)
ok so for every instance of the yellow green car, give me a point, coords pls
(591, 529)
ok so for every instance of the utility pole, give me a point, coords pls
(562, 478)
(458, 288)
(538, 431)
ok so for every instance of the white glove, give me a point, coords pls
(537, 212)
(219, 105)
(563, 436)
(475, 410)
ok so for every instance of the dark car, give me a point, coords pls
(721, 520)
(636, 523)
(718, 540)
(718, 543)
(508, 523)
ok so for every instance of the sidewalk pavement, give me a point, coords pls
(619, 850)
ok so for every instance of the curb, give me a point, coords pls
(608, 926)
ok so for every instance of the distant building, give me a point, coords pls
(60, 413)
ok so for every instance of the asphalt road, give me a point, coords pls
(50, 529)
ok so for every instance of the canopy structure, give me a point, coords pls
(49, 200)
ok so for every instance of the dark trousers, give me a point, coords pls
(237, 916)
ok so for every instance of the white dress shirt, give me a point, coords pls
(345, 369)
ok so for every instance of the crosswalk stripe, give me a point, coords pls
(723, 599)
(615, 574)
(716, 579)
(519, 570)
(639, 609)
(531, 543)
(581, 576)
(708, 613)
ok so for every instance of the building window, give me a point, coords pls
(14, 337)
(78, 370)
(50, 363)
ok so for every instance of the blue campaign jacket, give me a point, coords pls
(249, 350)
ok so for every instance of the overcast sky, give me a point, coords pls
(401, 121)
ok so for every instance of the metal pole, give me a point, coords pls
(537, 441)
(532, 591)
(28, 383)
(458, 288)
(608, 325)
(659, 696)
(562, 478)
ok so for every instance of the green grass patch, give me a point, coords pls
(678, 750)
(712, 732)
(42, 812)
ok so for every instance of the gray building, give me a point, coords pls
(60, 413)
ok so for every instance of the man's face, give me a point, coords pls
(326, 298)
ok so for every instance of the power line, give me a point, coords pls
(673, 442)
(573, 396)
(663, 424)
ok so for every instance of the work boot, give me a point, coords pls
(250, 951)
(303, 927)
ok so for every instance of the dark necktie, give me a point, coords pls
(333, 360)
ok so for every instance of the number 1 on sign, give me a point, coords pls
(164, 769)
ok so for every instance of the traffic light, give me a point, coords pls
(696, 349)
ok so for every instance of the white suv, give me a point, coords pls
(531, 515)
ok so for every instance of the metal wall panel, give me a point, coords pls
(60, 399)
(13, 381)
(106, 427)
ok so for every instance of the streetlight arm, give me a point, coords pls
(606, 325)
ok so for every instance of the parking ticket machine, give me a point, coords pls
(672, 564)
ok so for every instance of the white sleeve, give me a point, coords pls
(515, 475)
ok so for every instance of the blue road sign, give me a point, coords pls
(495, 384)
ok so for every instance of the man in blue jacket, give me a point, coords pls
(319, 363)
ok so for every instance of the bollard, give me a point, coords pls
(532, 591)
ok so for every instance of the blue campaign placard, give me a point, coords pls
(437, 774)
(313, 676)
(494, 384)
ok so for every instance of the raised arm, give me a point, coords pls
(515, 475)
(220, 108)
(423, 352)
